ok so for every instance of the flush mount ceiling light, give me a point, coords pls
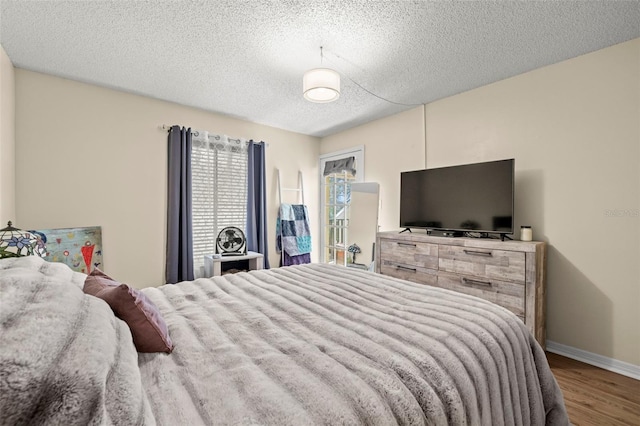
(321, 85)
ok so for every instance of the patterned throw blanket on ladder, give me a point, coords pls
(293, 235)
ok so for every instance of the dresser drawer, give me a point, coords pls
(485, 263)
(507, 294)
(408, 253)
(409, 273)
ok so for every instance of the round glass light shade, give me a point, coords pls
(321, 85)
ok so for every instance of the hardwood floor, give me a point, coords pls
(596, 397)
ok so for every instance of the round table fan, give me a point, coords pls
(230, 241)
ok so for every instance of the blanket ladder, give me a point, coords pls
(299, 189)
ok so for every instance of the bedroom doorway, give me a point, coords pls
(338, 170)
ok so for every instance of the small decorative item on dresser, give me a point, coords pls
(526, 233)
(15, 242)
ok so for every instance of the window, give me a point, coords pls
(219, 191)
(337, 171)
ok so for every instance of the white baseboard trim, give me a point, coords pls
(620, 367)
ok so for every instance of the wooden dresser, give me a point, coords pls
(508, 273)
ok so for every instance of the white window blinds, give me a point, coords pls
(219, 191)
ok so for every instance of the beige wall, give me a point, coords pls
(89, 156)
(7, 140)
(574, 130)
(392, 144)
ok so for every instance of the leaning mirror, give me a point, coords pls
(363, 224)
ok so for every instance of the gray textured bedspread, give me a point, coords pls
(65, 359)
(321, 344)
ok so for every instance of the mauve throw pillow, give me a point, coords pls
(149, 331)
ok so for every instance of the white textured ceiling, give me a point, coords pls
(246, 58)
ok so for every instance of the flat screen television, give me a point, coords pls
(476, 198)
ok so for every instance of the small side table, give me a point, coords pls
(213, 265)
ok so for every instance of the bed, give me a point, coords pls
(300, 345)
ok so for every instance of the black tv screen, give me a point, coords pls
(473, 197)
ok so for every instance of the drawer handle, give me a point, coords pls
(470, 281)
(478, 253)
(404, 268)
(406, 244)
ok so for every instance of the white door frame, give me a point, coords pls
(358, 153)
